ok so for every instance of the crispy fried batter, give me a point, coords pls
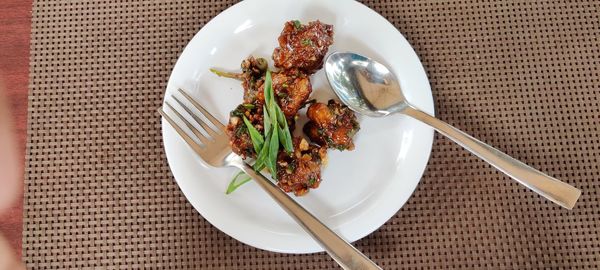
(303, 46)
(301, 170)
(332, 125)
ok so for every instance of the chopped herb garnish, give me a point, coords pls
(236, 113)
(249, 106)
(312, 181)
(282, 95)
(292, 166)
(307, 42)
(297, 24)
(329, 141)
(241, 129)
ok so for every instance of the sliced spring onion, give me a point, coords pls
(257, 139)
(236, 182)
(280, 116)
(284, 131)
(237, 76)
(273, 150)
(276, 132)
(267, 120)
(286, 139)
(268, 90)
(263, 155)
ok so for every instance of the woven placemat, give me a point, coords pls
(521, 75)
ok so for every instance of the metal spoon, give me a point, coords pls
(370, 88)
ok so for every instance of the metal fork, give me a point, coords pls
(216, 152)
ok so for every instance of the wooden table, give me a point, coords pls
(15, 26)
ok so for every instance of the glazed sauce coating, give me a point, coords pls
(300, 53)
(291, 87)
(301, 170)
(303, 46)
(332, 125)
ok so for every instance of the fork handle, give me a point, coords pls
(551, 188)
(347, 256)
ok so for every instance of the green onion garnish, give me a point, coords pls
(276, 133)
(237, 76)
(307, 42)
(234, 184)
(257, 139)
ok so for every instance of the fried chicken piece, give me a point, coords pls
(291, 87)
(332, 125)
(303, 46)
(239, 137)
(301, 170)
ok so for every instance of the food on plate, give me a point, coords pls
(250, 117)
(239, 136)
(303, 46)
(332, 125)
(301, 170)
(253, 78)
(292, 87)
(260, 128)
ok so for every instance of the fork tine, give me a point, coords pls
(206, 127)
(195, 146)
(209, 116)
(196, 132)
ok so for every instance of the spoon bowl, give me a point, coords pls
(364, 85)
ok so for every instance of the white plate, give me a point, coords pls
(361, 189)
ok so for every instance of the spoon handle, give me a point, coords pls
(551, 188)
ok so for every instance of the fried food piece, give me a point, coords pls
(303, 46)
(253, 78)
(332, 125)
(301, 170)
(291, 87)
(239, 137)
